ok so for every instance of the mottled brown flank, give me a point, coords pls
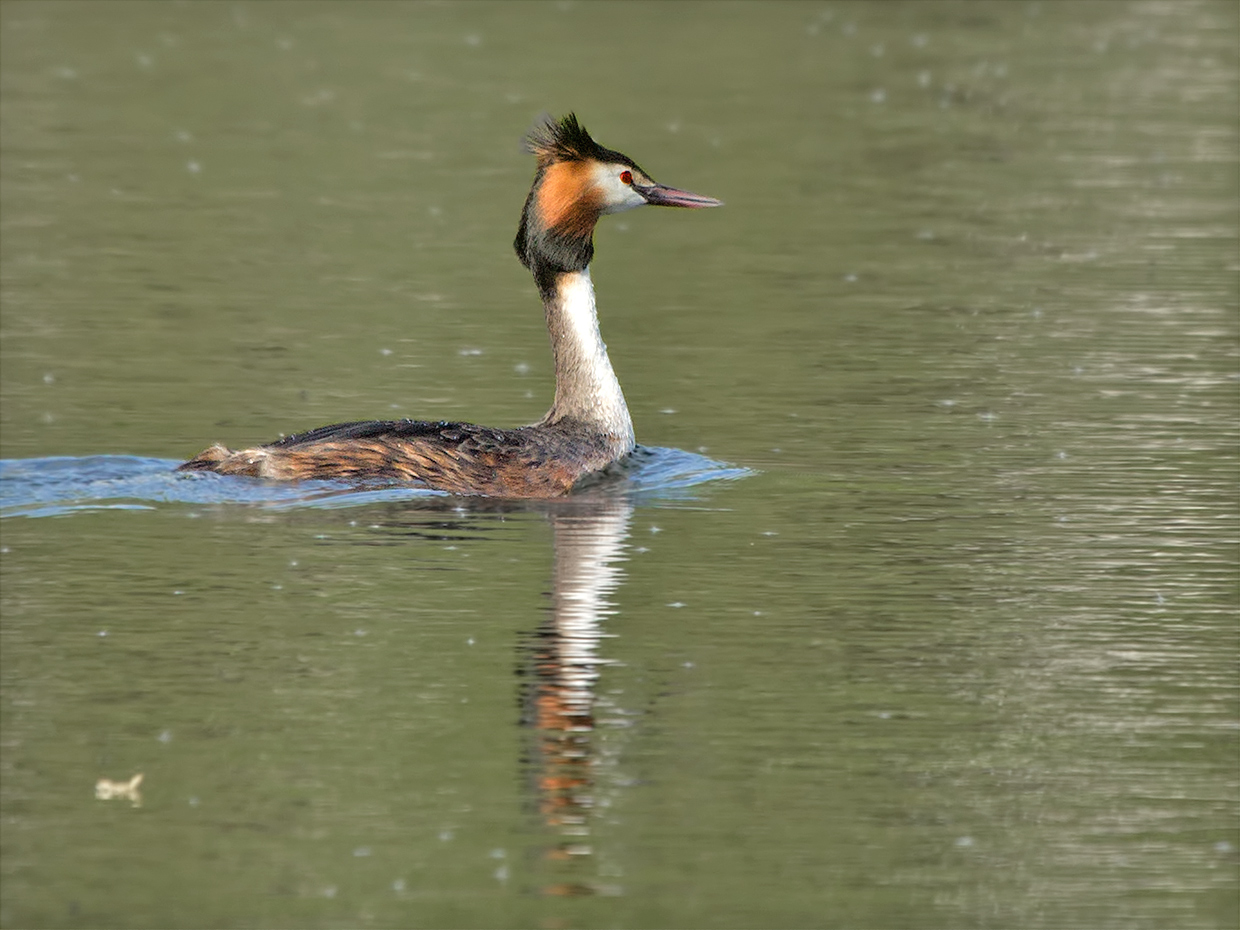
(459, 458)
(564, 200)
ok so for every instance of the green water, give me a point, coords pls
(961, 653)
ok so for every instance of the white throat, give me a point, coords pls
(586, 387)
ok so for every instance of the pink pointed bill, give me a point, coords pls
(661, 196)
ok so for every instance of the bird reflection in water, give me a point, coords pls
(561, 674)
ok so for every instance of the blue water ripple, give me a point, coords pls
(60, 486)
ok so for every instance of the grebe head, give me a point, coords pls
(578, 181)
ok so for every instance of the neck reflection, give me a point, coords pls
(561, 675)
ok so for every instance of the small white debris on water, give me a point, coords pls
(107, 790)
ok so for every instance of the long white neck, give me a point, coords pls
(586, 387)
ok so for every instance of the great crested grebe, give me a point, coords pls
(588, 426)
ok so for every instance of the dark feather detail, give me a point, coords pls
(565, 139)
(366, 429)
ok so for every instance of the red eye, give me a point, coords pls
(626, 177)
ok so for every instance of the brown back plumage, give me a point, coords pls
(462, 458)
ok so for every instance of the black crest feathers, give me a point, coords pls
(553, 140)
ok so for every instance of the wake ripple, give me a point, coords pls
(49, 487)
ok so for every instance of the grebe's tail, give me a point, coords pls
(220, 459)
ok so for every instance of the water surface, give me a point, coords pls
(958, 648)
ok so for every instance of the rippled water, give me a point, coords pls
(60, 486)
(952, 640)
